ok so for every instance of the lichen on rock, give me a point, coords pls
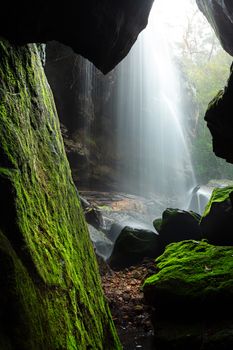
(51, 295)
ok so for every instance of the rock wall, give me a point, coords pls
(50, 290)
(219, 13)
(85, 101)
(219, 112)
(102, 31)
(220, 122)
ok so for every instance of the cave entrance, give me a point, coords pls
(136, 138)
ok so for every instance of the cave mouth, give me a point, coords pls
(142, 162)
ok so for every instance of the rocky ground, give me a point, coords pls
(125, 297)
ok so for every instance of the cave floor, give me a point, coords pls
(131, 317)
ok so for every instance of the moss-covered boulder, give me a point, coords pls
(177, 225)
(191, 296)
(132, 246)
(217, 220)
(50, 290)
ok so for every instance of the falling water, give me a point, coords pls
(153, 149)
(85, 103)
(85, 110)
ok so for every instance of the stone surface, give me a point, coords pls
(220, 122)
(50, 290)
(220, 15)
(84, 99)
(102, 31)
(177, 225)
(218, 116)
(191, 297)
(217, 220)
(132, 246)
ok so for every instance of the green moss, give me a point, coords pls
(218, 195)
(54, 270)
(194, 269)
(192, 296)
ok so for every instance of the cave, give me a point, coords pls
(71, 163)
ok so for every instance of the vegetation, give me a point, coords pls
(191, 294)
(192, 271)
(206, 66)
(219, 195)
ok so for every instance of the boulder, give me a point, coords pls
(191, 297)
(177, 225)
(115, 230)
(217, 220)
(132, 246)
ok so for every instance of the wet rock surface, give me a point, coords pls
(177, 225)
(132, 246)
(109, 213)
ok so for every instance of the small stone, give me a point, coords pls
(138, 308)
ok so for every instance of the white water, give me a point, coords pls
(153, 147)
(200, 197)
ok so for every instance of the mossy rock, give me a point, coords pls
(50, 291)
(217, 220)
(177, 225)
(192, 296)
(132, 246)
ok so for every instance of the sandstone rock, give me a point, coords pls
(50, 290)
(102, 31)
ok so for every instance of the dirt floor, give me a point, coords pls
(125, 297)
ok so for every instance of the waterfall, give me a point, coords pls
(153, 148)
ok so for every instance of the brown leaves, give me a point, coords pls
(123, 292)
